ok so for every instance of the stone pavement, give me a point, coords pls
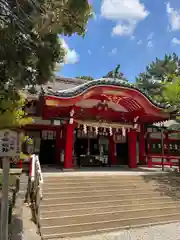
(22, 226)
(164, 232)
(117, 170)
(29, 228)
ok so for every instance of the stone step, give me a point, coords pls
(97, 185)
(93, 184)
(94, 187)
(90, 178)
(84, 199)
(84, 229)
(113, 207)
(102, 203)
(106, 216)
(112, 177)
(77, 206)
(111, 187)
(94, 192)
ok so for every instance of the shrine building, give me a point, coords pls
(91, 123)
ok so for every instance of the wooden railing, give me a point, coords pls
(165, 159)
(34, 193)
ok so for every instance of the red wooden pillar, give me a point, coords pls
(20, 163)
(58, 144)
(142, 146)
(68, 154)
(132, 138)
(112, 151)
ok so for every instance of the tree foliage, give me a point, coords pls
(29, 30)
(30, 46)
(116, 74)
(157, 74)
(171, 92)
(85, 78)
(12, 113)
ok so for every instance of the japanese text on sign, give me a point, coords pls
(9, 143)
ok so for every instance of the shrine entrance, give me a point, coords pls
(47, 152)
(122, 153)
(48, 148)
(91, 149)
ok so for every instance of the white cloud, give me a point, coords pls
(150, 36)
(132, 38)
(89, 52)
(71, 56)
(113, 51)
(175, 41)
(126, 14)
(124, 29)
(174, 17)
(150, 40)
(139, 42)
(150, 44)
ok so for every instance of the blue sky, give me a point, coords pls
(129, 32)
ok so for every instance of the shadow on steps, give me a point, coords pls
(167, 184)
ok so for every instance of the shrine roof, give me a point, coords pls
(60, 83)
(79, 89)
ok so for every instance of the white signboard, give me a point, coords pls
(10, 145)
(157, 135)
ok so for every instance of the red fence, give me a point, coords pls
(168, 154)
(165, 160)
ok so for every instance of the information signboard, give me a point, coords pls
(9, 143)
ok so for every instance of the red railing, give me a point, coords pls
(166, 160)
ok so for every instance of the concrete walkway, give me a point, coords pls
(119, 170)
(22, 226)
(163, 232)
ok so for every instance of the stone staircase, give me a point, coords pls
(77, 206)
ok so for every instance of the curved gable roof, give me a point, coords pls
(78, 90)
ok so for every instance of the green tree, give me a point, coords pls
(30, 45)
(157, 74)
(171, 93)
(116, 74)
(12, 113)
(85, 78)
